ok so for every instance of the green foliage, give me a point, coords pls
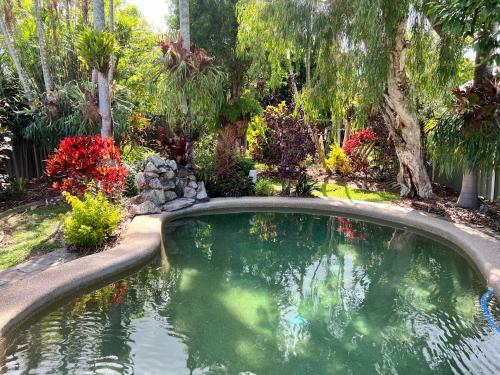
(305, 186)
(245, 107)
(134, 158)
(476, 19)
(337, 160)
(189, 87)
(91, 220)
(235, 185)
(17, 187)
(264, 187)
(95, 49)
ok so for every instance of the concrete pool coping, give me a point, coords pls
(142, 242)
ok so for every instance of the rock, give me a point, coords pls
(151, 175)
(151, 168)
(155, 196)
(170, 196)
(193, 184)
(171, 164)
(141, 181)
(157, 161)
(183, 173)
(145, 208)
(169, 174)
(189, 192)
(192, 177)
(178, 204)
(167, 184)
(201, 193)
(155, 183)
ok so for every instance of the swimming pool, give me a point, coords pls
(274, 293)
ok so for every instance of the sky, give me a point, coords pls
(154, 11)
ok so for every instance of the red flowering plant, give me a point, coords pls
(80, 161)
(358, 147)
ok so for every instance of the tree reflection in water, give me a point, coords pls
(371, 299)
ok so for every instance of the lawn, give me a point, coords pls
(30, 233)
(347, 192)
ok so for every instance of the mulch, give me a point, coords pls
(486, 219)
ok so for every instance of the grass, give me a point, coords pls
(30, 233)
(347, 192)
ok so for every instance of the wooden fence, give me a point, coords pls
(26, 160)
(488, 183)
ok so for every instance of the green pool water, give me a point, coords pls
(274, 293)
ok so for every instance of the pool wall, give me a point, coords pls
(142, 242)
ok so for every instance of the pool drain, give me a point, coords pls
(486, 311)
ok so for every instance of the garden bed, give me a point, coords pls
(38, 189)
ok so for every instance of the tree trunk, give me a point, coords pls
(47, 77)
(102, 78)
(402, 123)
(85, 11)
(67, 14)
(28, 93)
(184, 24)
(104, 106)
(112, 31)
(53, 26)
(468, 195)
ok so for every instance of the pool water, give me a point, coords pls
(274, 293)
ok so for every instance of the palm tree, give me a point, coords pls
(23, 79)
(47, 77)
(112, 31)
(102, 78)
(184, 23)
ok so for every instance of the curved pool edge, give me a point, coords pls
(142, 242)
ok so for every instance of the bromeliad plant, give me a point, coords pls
(178, 147)
(358, 148)
(81, 161)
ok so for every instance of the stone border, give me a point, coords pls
(142, 242)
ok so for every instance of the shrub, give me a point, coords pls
(285, 142)
(91, 220)
(236, 185)
(358, 148)
(81, 160)
(337, 160)
(229, 177)
(264, 188)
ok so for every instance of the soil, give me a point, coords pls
(38, 189)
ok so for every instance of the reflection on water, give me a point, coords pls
(273, 294)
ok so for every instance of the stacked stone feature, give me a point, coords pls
(166, 186)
